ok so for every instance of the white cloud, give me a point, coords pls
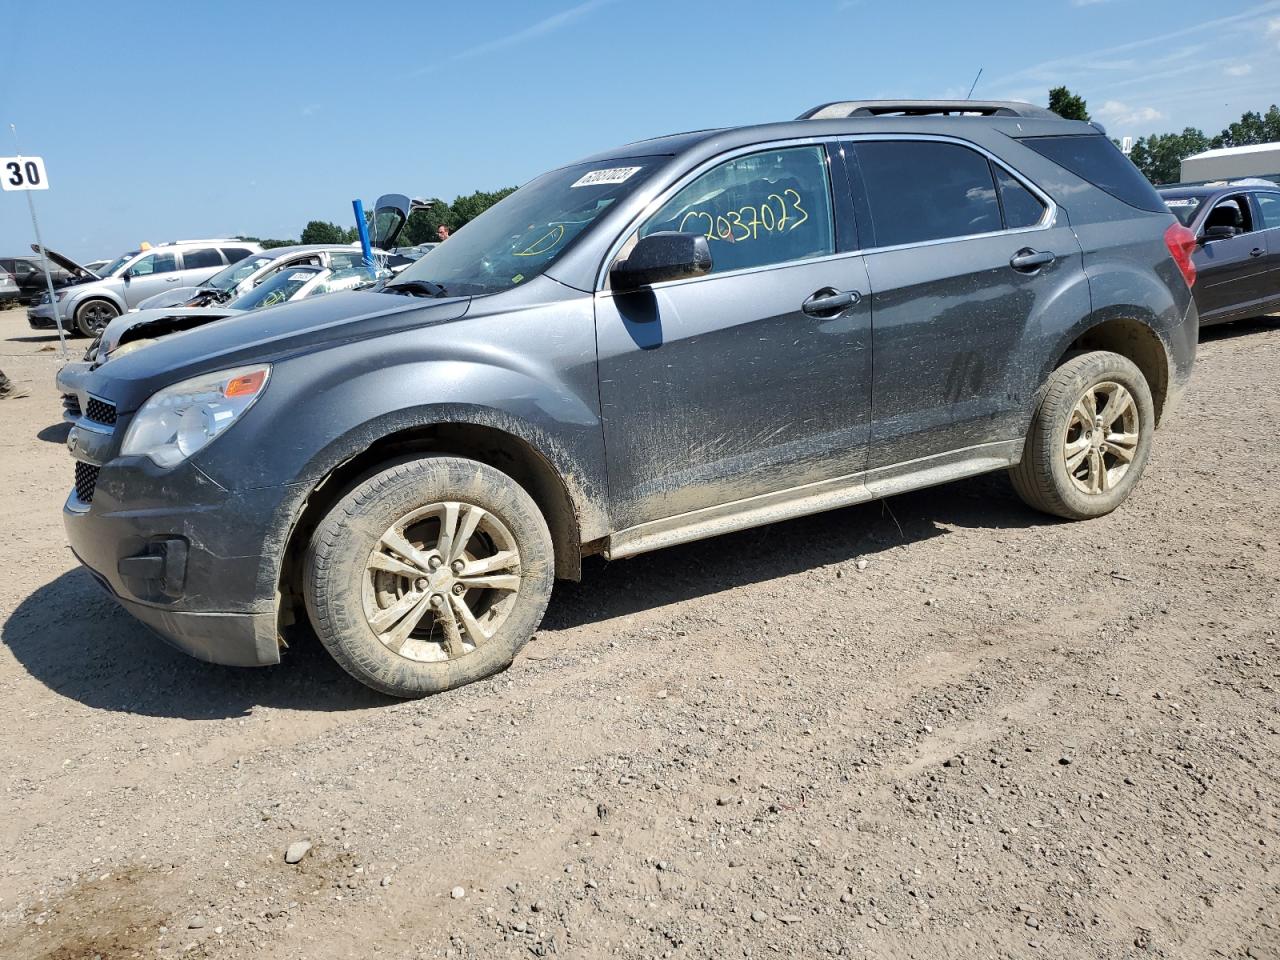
(1273, 27)
(541, 28)
(1123, 115)
(1239, 70)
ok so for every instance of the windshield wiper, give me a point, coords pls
(417, 288)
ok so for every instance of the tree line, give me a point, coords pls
(421, 228)
(1160, 155)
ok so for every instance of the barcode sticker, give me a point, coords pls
(611, 175)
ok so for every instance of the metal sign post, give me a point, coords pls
(27, 174)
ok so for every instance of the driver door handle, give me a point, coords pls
(1256, 252)
(830, 302)
(1027, 260)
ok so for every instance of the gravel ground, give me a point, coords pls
(938, 726)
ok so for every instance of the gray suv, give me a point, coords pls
(667, 341)
(89, 304)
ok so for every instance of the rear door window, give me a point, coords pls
(755, 211)
(200, 259)
(921, 190)
(1094, 158)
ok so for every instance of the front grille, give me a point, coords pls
(71, 405)
(86, 481)
(99, 411)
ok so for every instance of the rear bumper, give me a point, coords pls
(1185, 339)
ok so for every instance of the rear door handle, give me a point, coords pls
(1027, 260)
(829, 302)
(1256, 252)
(172, 279)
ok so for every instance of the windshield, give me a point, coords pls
(227, 278)
(1184, 208)
(116, 264)
(520, 236)
(278, 289)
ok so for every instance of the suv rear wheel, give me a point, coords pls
(429, 575)
(1089, 440)
(93, 316)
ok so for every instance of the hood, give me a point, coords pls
(264, 336)
(158, 322)
(169, 298)
(67, 264)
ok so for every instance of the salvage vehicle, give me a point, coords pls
(667, 341)
(391, 213)
(132, 331)
(28, 275)
(1237, 255)
(9, 289)
(89, 304)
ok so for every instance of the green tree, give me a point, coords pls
(1068, 105)
(321, 231)
(1252, 127)
(1160, 155)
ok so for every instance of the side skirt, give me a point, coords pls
(813, 498)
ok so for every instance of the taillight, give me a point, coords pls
(1182, 243)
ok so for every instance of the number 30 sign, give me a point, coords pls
(23, 173)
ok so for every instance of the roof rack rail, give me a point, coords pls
(841, 109)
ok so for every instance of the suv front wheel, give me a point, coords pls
(1089, 439)
(428, 575)
(92, 317)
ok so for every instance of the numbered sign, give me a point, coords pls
(23, 173)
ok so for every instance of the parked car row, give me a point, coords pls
(663, 342)
(200, 271)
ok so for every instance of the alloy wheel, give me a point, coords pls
(441, 581)
(1102, 438)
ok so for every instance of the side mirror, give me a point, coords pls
(1218, 233)
(661, 256)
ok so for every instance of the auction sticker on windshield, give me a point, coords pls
(611, 175)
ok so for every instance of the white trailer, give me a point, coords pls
(1233, 163)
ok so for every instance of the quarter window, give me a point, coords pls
(199, 259)
(154, 263)
(1022, 208)
(921, 190)
(235, 254)
(758, 210)
(1269, 210)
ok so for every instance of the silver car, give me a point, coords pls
(90, 304)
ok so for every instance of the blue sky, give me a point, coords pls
(164, 121)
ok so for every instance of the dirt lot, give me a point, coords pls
(941, 726)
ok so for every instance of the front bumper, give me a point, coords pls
(40, 317)
(194, 562)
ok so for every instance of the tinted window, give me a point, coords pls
(1269, 209)
(154, 263)
(757, 210)
(1098, 160)
(1184, 208)
(1022, 208)
(198, 259)
(235, 254)
(920, 190)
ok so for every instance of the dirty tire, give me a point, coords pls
(92, 316)
(337, 563)
(1042, 479)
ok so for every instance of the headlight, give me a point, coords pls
(180, 420)
(60, 295)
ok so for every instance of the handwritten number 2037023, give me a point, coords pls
(779, 213)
